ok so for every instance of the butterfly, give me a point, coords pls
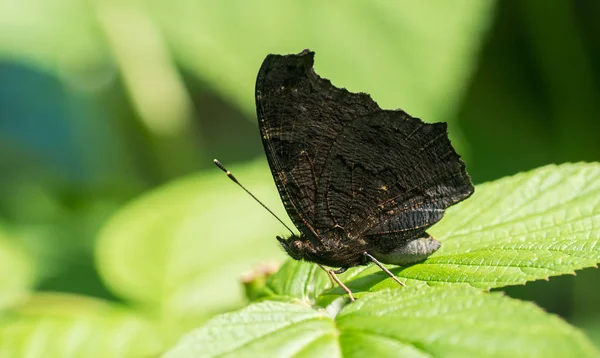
(360, 183)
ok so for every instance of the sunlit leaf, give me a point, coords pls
(298, 280)
(406, 322)
(530, 226)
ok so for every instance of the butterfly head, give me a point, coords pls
(296, 246)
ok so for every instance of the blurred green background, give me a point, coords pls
(102, 101)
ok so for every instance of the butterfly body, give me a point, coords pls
(332, 249)
(354, 178)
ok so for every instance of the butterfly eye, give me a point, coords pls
(293, 246)
(296, 248)
(297, 245)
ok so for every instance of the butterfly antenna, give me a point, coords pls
(233, 178)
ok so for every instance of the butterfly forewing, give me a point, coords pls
(300, 116)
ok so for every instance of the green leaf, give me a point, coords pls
(267, 329)
(61, 325)
(407, 322)
(527, 227)
(530, 226)
(17, 272)
(297, 280)
(183, 248)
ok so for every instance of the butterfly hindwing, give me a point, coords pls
(389, 172)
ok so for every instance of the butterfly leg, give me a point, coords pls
(371, 258)
(332, 276)
(328, 275)
(337, 272)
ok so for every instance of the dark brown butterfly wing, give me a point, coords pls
(300, 116)
(340, 161)
(389, 174)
